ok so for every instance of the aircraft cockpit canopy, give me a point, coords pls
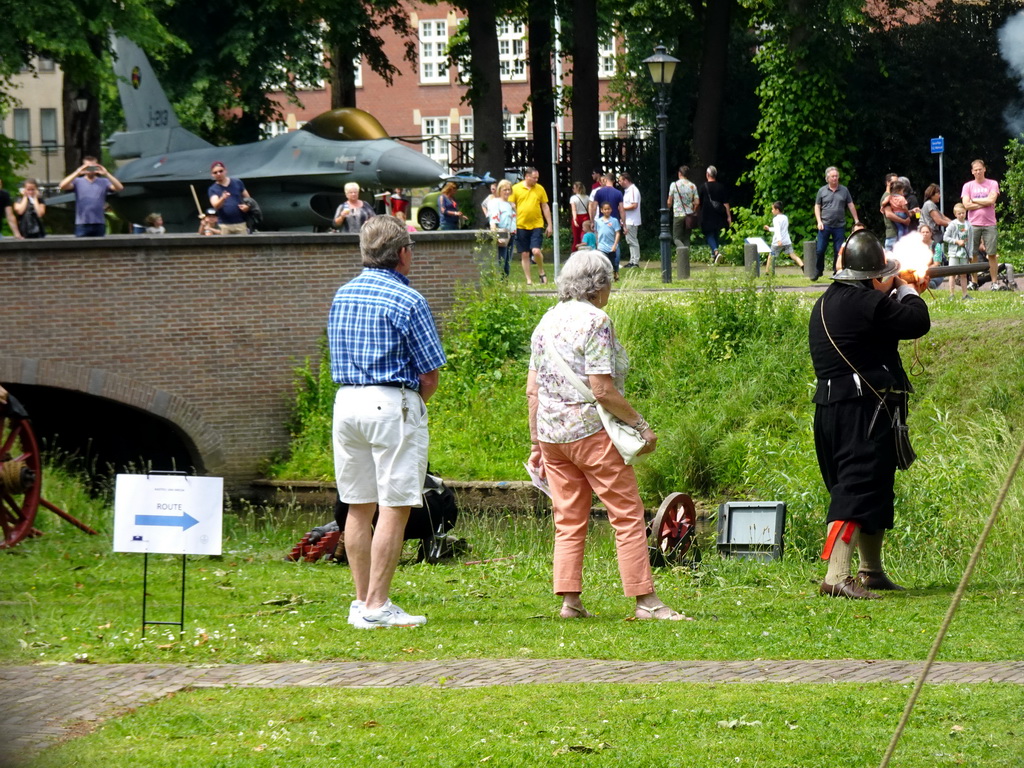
(346, 124)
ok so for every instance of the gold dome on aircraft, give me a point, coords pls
(346, 124)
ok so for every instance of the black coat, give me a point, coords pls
(853, 435)
(713, 219)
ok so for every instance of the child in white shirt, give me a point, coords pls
(781, 242)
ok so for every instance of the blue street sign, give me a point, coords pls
(938, 146)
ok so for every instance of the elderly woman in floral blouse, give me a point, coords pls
(570, 445)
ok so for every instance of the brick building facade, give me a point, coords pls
(425, 100)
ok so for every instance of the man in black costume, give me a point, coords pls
(861, 396)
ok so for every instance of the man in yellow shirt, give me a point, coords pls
(532, 214)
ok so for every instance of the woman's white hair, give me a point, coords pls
(584, 275)
(352, 187)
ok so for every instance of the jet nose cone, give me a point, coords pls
(404, 167)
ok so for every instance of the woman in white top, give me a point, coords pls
(578, 204)
(502, 219)
(571, 447)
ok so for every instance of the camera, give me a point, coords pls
(92, 167)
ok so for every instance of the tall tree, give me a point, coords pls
(75, 34)
(712, 88)
(475, 51)
(352, 31)
(586, 139)
(484, 94)
(540, 33)
(243, 58)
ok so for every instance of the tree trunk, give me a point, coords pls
(539, 33)
(708, 116)
(81, 129)
(485, 96)
(586, 141)
(343, 77)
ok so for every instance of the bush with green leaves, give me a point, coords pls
(1011, 206)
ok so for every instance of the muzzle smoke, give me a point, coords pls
(1011, 48)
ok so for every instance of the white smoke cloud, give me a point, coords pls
(1011, 48)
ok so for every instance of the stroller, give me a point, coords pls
(429, 523)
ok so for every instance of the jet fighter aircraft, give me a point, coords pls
(297, 178)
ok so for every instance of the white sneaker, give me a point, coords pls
(388, 615)
(355, 610)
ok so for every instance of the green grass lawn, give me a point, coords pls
(723, 374)
(704, 726)
(68, 598)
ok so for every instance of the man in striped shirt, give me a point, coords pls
(385, 354)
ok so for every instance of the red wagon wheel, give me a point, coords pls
(672, 530)
(20, 469)
(21, 477)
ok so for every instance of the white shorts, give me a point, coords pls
(379, 456)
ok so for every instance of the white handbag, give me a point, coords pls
(627, 439)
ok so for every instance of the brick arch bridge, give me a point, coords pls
(200, 334)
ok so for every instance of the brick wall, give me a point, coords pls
(203, 332)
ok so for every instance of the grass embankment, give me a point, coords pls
(725, 377)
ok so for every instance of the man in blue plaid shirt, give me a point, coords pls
(385, 354)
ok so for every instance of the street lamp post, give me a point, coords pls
(81, 106)
(662, 67)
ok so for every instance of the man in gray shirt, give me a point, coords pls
(830, 206)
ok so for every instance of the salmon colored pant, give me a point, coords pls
(576, 471)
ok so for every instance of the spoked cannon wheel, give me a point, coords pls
(20, 470)
(21, 477)
(670, 537)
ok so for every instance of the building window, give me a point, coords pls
(436, 146)
(22, 127)
(606, 58)
(514, 126)
(434, 51)
(358, 65)
(512, 50)
(46, 65)
(466, 126)
(608, 124)
(48, 127)
(270, 130)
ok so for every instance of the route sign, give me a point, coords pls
(170, 514)
(938, 146)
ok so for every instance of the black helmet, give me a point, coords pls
(864, 258)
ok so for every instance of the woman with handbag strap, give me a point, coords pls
(571, 447)
(860, 408)
(579, 205)
(684, 200)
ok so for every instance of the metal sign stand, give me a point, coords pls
(145, 578)
(145, 575)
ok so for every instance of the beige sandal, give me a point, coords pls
(572, 612)
(657, 612)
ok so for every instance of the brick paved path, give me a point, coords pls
(43, 704)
